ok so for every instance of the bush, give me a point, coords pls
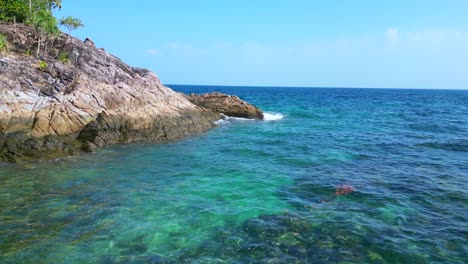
(14, 10)
(3, 43)
(43, 65)
(63, 56)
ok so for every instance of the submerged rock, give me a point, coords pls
(51, 108)
(229, 105)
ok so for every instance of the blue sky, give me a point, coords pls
(358, 43)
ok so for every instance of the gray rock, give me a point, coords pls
(88, 147)
(226, 104)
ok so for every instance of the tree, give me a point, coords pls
(38, 14)
(45, 25)
(14, 10)
(23, 11)
(71, 23)
(52, 4)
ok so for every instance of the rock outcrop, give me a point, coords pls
(51, 108)
(229, 105)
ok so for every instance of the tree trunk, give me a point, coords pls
(38, 45)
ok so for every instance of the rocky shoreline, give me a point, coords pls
(51, 107)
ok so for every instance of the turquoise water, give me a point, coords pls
(260, 191)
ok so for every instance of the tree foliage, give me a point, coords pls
(52, 4)
(14, 10)
(43, 22)
(23, 11)
(71, 23)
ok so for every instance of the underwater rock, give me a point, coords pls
(135, 249)
(260, 250)
(144, 259)
(275, 225)
(234, 242)
(156, 259)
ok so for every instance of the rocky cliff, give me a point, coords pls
(74, 97)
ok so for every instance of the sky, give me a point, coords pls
(355, 43)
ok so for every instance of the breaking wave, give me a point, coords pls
(272, 116)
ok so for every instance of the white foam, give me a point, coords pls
(266, 117)
(226, 119)
(220, 122)
(272, 116)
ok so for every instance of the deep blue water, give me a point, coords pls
(345, 176)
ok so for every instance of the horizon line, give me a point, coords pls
(318, 87)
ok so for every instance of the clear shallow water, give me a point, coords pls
(260, 192)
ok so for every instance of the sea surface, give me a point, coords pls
(332, 176)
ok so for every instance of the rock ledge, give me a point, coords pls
(229, 105)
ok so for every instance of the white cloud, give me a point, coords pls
(153, 52)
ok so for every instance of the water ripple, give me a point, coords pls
(260, 192)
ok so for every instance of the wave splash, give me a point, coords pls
(272, 116)
(266, 117)
(227, 119)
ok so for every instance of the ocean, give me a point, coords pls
(333, 175)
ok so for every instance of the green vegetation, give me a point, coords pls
(43, 65)
(71, 23)
(3, 44)
(14, 10)
(63, 56)
(38, 14)
(25, 11)
(45, 25)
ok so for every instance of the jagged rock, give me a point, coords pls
(88, 147)
(93, 99)
(89, 42)
(226, 104)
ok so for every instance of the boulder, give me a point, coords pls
(229, 105)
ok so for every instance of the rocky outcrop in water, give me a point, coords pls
(74, 96)
(229, 105)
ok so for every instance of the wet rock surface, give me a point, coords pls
(229, 105)
(51, 108)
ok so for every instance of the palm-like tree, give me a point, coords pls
(71, 23)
